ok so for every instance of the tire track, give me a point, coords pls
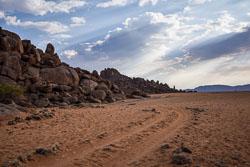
(124, 146)
(145, 147)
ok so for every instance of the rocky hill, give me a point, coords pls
(47, 81)
(130, 85)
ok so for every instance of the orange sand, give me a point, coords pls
(122, 134)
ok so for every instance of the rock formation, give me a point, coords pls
(49, 82)
(135, 85)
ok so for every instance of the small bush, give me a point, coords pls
(6, 91)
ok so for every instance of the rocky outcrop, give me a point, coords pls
(135, 86)
(61, 75)
(49, 82)
(8, 111)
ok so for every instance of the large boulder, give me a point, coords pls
(7, 112)
(96, 75)
(33, 96)
(70, 100)
(63, 88)
(44, 102)
(36, 54)
(102, 86)
(27, 46)
(137, 93)
(10, 41)
(33, 71)
(32, 60)
(50, 60)
(3, 56)
(11, 66)
(93, 100)
(99, 94)
(86, 76)
(119, 96)
(34, 88)
(50, 49)
(4, 44)
(60, 75)
(88, 84)
(5, 80)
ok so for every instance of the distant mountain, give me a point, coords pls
(220, 88)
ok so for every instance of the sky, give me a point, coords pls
(186, 43)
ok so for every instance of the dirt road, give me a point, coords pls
(201, 129)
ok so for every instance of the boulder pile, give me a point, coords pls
(47, 81)
(135, 86)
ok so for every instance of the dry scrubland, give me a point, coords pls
(196, 129)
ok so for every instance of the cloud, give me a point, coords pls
(115, 3)
(156, 45)
(223, 24)
(52, 27)
(229, 69)
(196, 2)
(248, 14)
(69, 53)
(145, 39)
(78, 21)
(144, 2)
(54, 41)
(40, 7)
(226, 23)
(187, 9)
(62, 36)
(126, 2)
(2, 15)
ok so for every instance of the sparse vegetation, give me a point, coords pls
(6, 91)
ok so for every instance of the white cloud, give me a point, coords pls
(69, 53)
(44, 43)
(248, 14)
(114, 3)
(91, 45)
(62, 36)
(151, 41)
(196, 2)
(78, 21)
(229, 69)
(187, 9)
(40, 7)
(2, 15)
(126, 2)
(144, 2)
(54, 41)
(146, 39)
(224, 24)
(52, 27)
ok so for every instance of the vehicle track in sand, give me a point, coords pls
(214, 126)
(126, 145)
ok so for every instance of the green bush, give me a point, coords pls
(6, 91)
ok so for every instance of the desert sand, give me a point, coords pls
(213, 129)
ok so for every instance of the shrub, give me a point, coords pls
(7, 91)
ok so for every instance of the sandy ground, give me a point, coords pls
(214, 126)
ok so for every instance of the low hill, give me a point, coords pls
(222, 88)
(129, 85)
